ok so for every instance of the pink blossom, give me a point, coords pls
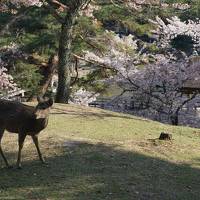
(6, 80)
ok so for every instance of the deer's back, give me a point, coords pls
(15, 116)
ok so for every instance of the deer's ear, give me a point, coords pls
(40, 99)
(50, 102)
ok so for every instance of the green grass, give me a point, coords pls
(94, 154)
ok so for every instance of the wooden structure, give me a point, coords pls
(191, 87)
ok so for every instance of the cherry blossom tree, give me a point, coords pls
(7, 84)
(83, 97)
(157, 86)
(6, 80)
(175, 30)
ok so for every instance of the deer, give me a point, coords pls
(16, 117)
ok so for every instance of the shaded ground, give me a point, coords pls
(108, 159)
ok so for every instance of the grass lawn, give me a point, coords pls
(95, 154)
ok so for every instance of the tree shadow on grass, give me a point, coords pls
(95, 171)
(101, 115)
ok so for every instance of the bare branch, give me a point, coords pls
(76, 69)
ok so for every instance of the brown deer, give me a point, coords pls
(24, 120)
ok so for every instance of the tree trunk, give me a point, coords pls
(174, 119)
(64, 51)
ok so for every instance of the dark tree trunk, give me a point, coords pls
(174, 119)
(64, 51)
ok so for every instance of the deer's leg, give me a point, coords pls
(35, 140)
(1, 151)
(21, 138)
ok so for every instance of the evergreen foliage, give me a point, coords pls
(26, 76)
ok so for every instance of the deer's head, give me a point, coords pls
(43, 107)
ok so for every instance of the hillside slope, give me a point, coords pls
(97, 154)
